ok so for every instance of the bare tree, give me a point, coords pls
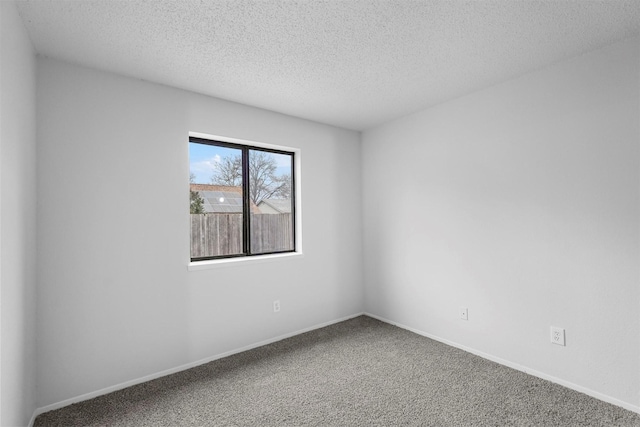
(228, 171)
(264, 183)
(284, 188)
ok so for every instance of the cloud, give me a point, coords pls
(204, 169)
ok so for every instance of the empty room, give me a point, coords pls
(400, 213)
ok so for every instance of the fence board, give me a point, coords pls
(221, 234)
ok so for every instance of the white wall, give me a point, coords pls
(17, 220)
(522, 203)
(116, 301)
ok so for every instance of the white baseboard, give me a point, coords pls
(516, 366)
(166, 372)
(487, 356)
(33, 418)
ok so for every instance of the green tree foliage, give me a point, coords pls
(196, 201)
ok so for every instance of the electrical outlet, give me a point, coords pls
(276, 306)
(557, 335)
(464, 313)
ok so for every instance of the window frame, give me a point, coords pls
(245, 147)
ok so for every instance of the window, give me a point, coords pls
(241, 200)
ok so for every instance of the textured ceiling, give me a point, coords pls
(351, 63)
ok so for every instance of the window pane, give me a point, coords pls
(216, 200)
(270, 189)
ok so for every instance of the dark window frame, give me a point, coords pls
(246, 198)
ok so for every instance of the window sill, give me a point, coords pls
(241, 261)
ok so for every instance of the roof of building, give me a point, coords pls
(279, 205)
(221, 198)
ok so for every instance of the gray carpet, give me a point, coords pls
(361, 372)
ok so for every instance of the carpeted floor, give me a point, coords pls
(361, 372)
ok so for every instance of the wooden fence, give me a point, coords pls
(221, 234)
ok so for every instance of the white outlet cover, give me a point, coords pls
(464, 313)
(557, 336)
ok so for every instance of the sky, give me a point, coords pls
(203, 159)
